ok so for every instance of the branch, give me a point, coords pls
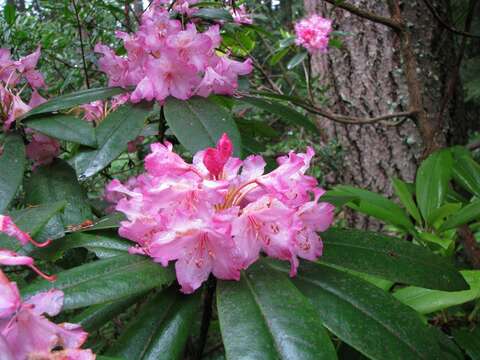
(455, 72)
(472, 251)
(207, 316)
(387, 21)
(82, 48)
(445, 24)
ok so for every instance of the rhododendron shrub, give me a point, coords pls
(217, 214)
(169, 215)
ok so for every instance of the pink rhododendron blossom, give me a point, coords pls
(8, 227)
(25, 332)
(313, 33)
(240, 15)
(166, 59)
(98, 110)
(219, 213)
(14, 76)
(42, 149)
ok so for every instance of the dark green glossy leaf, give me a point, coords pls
(263, 316)
(113, 135)
(213, 14)
(105, 280)
(70, 100)
(296, 60)
(160, 330)
(432, 181)
(389, 258)
(364, 316)
(466, 171)
(94, 317)
(286, 113)
(31, 220)
(469, 341)
(426, 301)
(404, 193)
(104, 244)
(65, 127)
(13, 160)
(199, 123)
(468, 213)
(56, 182)
(376, 205)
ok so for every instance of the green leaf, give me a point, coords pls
(279, 55)
(376, 205)
(426, 301)
(74, 99)
(402, 190)
(56, 182)
(338, 200)
(443, 212)
(213, 14)
(31, 220)
(105, 280)
(466, 171)
(364, 316)
(389, 258)
(12, 165)
(297, 59)
(468, 213)
(94, 317)
(160, 330)
(263, 316)
(432, 181)
(113, 135)
(199, 123)
(469, 341)
(286, 113)
(65, 127)
(111, 221)
(10, 14)
(104, 244)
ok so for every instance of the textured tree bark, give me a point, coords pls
(367, 78)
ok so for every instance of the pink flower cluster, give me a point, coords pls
(18, 74)
(165, 58)
(12, 75)
(98, 110)
(313, 33)
(25, 332)
(217, 214)
(240, 15)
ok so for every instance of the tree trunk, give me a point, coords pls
(366, 78)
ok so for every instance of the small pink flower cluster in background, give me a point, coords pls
(240, 15)
(217, 214)
(165, 59)
(14, 76)
(25, 332)
(98, 110)
(313, 33)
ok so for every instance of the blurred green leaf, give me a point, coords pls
(13, 159)
(466, 171)
(296, 60)
(469, 341)
(9, 14)
(468, 213)
(402, 190)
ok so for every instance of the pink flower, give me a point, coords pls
(313, 33)
(166, 59)
(25, 333)
(8, 227)
(240, 15)
(217, 214)
(42, 149)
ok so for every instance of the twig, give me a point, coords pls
(207, 316)
(455, 72)
(472, 250)
(446, 25)
(367, 14)
(79, 25)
